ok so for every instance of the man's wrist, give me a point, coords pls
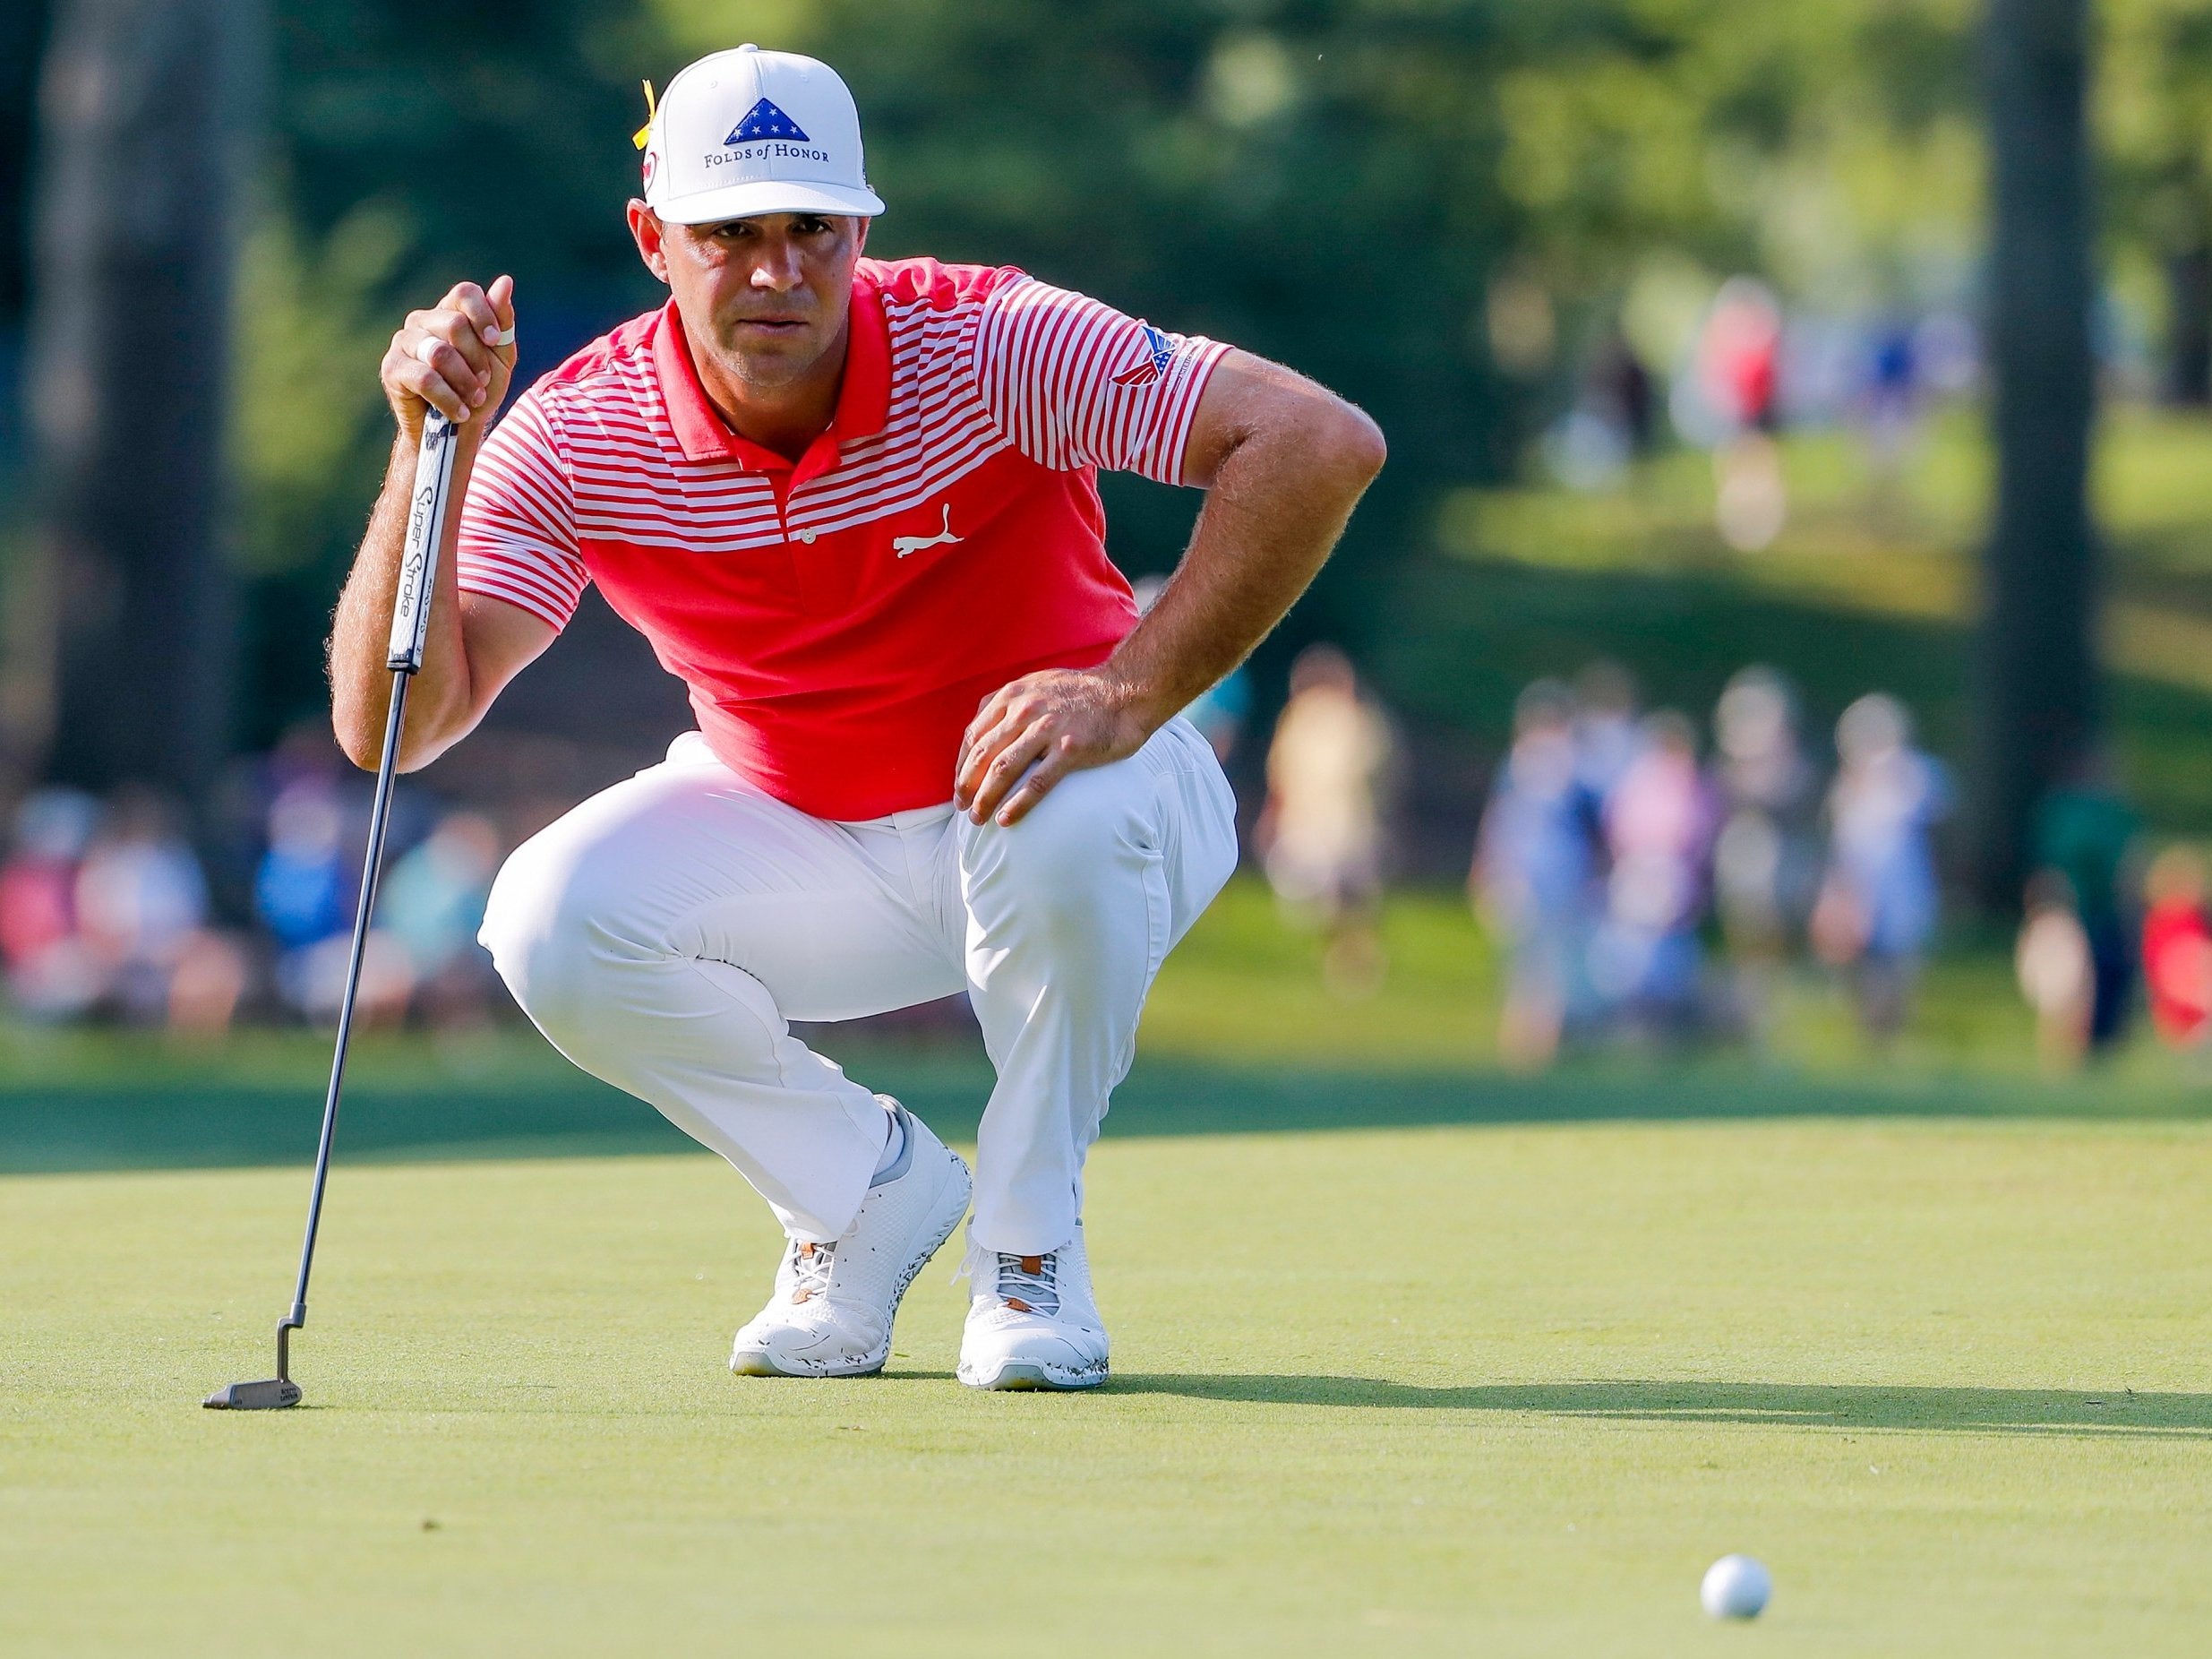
(1138, 701)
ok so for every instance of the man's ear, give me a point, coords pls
(645, 230)
(860, 239)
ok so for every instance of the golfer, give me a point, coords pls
(852, 505)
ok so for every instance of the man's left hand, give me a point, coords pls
(1029, 735)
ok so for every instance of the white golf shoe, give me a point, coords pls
(1033, 1322)
(834, 1305)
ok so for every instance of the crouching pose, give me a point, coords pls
(852, 504)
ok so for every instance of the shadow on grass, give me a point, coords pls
(204, 1120)
(1982, 1410)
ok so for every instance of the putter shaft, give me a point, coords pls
(372, 868)
(426, 537)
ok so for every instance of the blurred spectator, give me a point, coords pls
(238, 815)
(1535, 875)
(1766, 861)
(301, 889)
(1947, 353)
(206, 985)
(431, 904)
(1617, 389)
(1608, 735)
(1822, 369)
(1221, 711)
(306, 888)
(1738, 372)
(1659, 829)
(1321, 834)
(1878, 903)
(2177, 948)
(2052, 963)
(1739, 355)
(316, 983)
(105, 910)
(1892, 402)
(50, 972)
(141, 908)
(1750, 497)
(2085, 831)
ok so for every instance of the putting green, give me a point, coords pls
(1441, 1390)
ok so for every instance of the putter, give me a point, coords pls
(410, 623)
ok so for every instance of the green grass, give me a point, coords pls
(1411, 1355)
(1452, 1389)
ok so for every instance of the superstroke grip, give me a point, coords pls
(418, 563)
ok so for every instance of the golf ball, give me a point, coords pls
(1736, 1586)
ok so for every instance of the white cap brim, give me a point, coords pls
(769, 195)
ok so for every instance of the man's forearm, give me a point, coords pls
(1283, 463)
(438, 703)
(1278, 502)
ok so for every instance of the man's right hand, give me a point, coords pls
(444, 359)
(455, 359)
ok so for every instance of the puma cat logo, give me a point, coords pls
(905, 544)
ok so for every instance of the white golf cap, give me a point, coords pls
(749, 131)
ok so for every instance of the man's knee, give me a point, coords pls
(548, 924)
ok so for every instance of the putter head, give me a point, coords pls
(274, 1395)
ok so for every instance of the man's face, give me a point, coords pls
(767, 295)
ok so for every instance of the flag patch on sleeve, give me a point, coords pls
(1158, 354)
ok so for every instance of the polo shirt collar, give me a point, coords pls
(863, 397)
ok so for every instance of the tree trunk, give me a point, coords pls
(2189, 325)
(140, 189)
(2038, 694)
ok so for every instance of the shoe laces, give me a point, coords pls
(1030, 1283)
(810, 1266)
(1027, 1283)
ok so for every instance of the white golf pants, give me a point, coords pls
(661, 933)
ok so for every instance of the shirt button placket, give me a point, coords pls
(779, 485)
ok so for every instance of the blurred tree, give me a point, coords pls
(25, 677)
(1783, 139)
(413, 143)
(144, 109)
(2154, 129)
(22, 33)
(2039, 693)
(1433, 207)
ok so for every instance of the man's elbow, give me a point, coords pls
(1352, 443)
(360, 733)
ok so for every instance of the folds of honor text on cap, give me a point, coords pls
(765, 125)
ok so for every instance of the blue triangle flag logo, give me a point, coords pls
(764, 120)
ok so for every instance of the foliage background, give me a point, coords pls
(1436, 206)
(1338, 187)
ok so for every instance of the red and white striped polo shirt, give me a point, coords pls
(839, 619)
